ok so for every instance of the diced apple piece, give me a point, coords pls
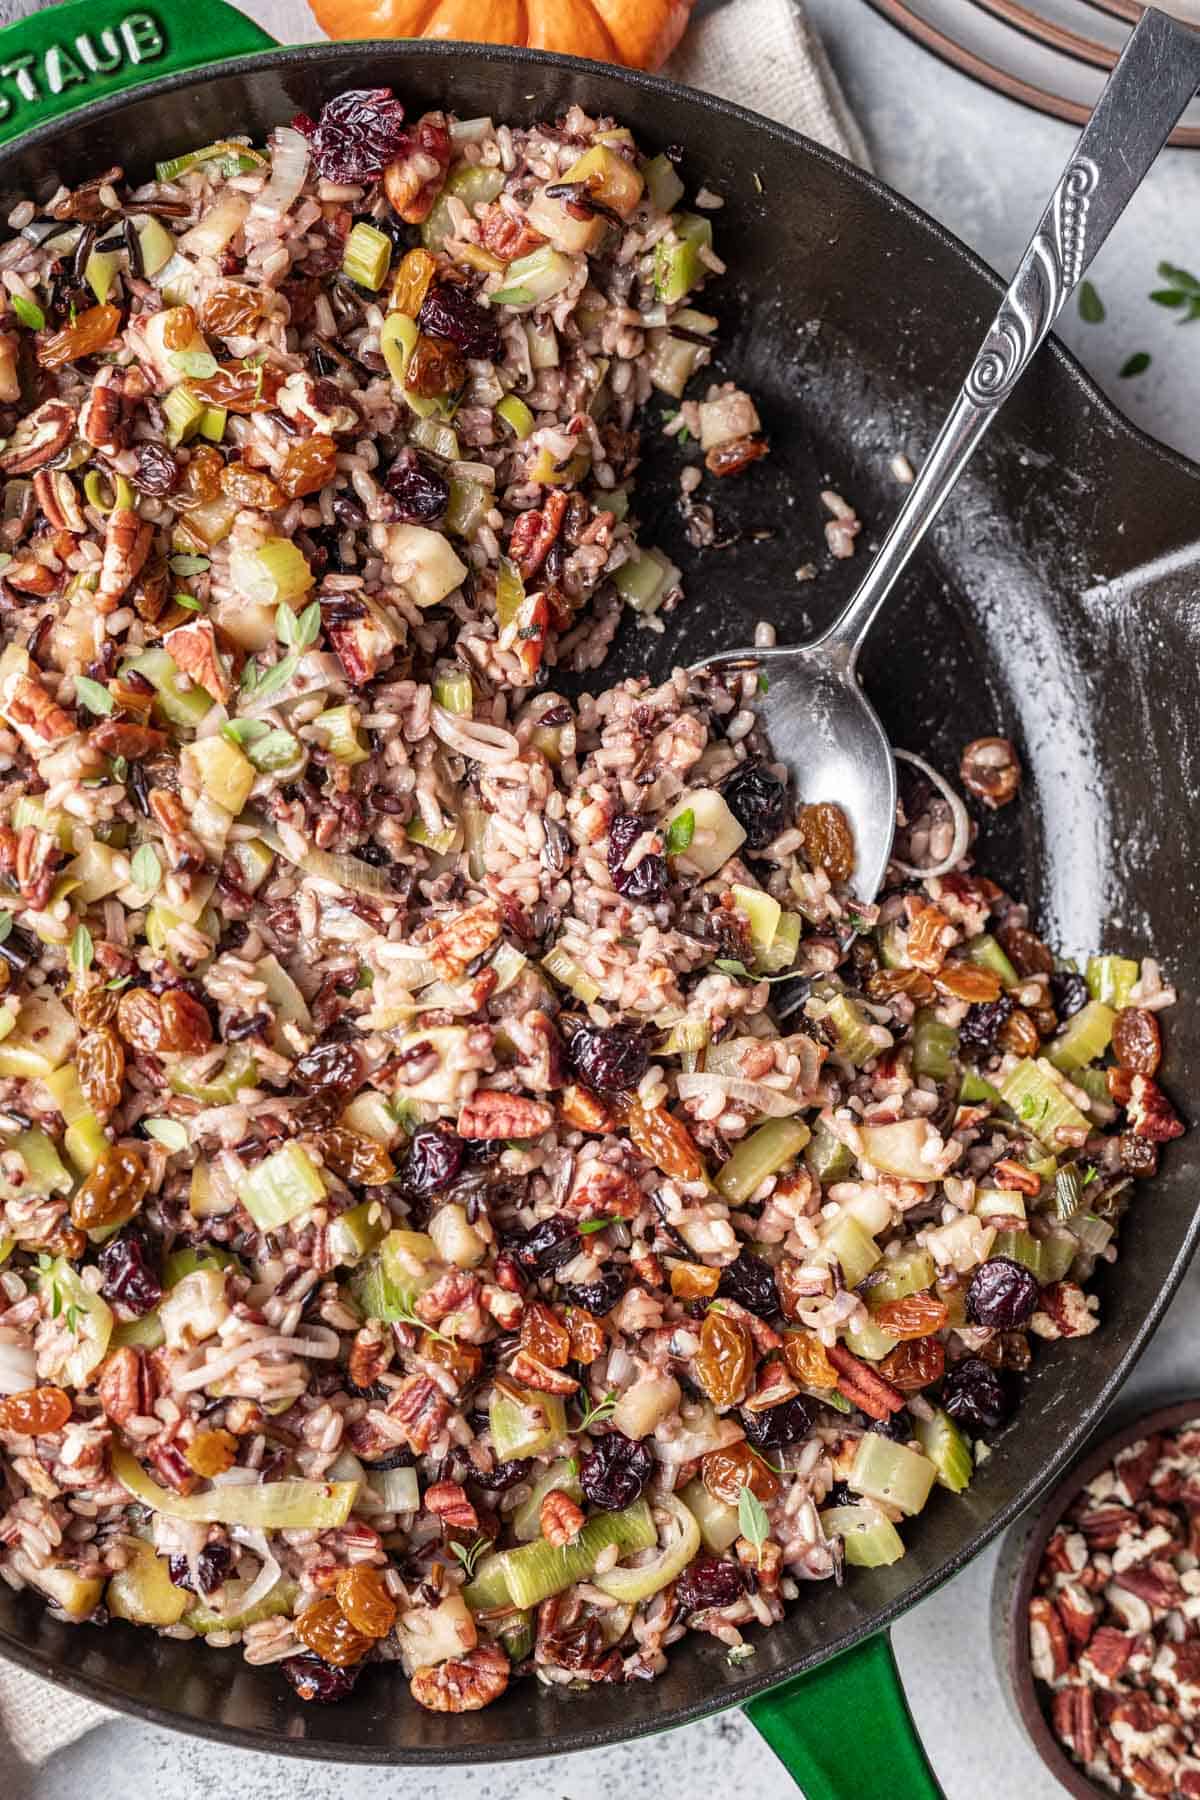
(423, 563)
(716, 834)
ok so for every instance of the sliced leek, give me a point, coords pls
(295, 1505)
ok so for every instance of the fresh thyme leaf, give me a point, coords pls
(6, 925)
(188, 602)
(753, 1520)
(93, 694)
(468, 1554)
(186, 565)
(276, 677)
(1137, 364)
(591, 1225)
(730, 966)
(72, 1317)
(764, 682)
(29, 312)
(244, 731)
(598, 1414)
(1180, 278)
(82, 950)
(680, 832)
(146, 869)
(119, 982)
(1091, 307)
(1168, 297)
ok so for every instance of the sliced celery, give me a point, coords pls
(488, 1589)
(563, 968)
(341, 734)
(642, 582)
(367, 255)
(536, 278)
(1038, 1101)
(45, 1172)
(869, 1340)
(662, 183)
(296, 1505)
(1111, 979)
(1086, 1036)
(184, 411)
(784, 947)
(678, 265)
(235, 1616)
(468, 506)
(975, 1091)
(854, 1040)
(524, 1422)
(891, 1473)
(1021, 1247)
(157, 247)
(355, 1233)
(473, 184)
(896, 1277)
(281, 1187)
(763, 913)
(179, 705)
(948, 1451)
(145, 1333)
(197, 1256)
(934, 1046)
(1059, 1251)
(826, 1157)
(386, 1286)
(143, 1591)
(851, 1246)
(213, 422)
(453, 691)
(437, 437)
(869, 1539)
(762, 1153)
(986, 953)
(516, 415)
(539, 1570)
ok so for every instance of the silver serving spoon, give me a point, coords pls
(818, 718)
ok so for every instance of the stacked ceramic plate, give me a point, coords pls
(1051, 54)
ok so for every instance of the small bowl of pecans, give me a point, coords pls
(1097, 1613)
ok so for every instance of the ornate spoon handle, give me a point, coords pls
(1156, 77)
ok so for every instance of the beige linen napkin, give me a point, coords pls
(760, 53)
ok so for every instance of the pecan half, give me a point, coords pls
(1079, 1612)
(370, 1354)
(1150, 1112)
(561, 1520)
(126, 1386)
(862, 1386)
(459, 940)
(126, 546)
(55, 494)
(534, 532)
(38, 438)
(585, 1111)
(462, 1684)
(447, 1500)
(1074, 1716)
(420, 1409)
(989, 769)
(195, 650)
(531, 1372)
(490, 1114)
(1049, 1651)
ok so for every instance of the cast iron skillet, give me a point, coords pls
(1055, 602)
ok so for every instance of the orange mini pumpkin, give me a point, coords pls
(639, 33)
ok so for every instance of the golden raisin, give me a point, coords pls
(310, 464)
(411, 282)
(927, 932)
(364, 1599)
(201, 479)
(914, 1363)
(139, 1020)
(915, 1316)
(725, 1359)
(231, 309)
(100, 1062)
(35, 1411)
(828, 844)
(240, 389)
(93, 1007)
(804, 1354)
(435, 367)
(179, 327)
(588, 1338)
(726, 1472)
(463, 1361)
(885, 983)
(963, 981)
(186, 1026)
(324, 1628)
(211, 1452)
(544, 1335)
(250, 487)
(662, 1139)
(694, 1281)
(355, 1158)
(1019, 1034)
(585, 1111)
(113, 1191)
(91, 330)
(1137, 1040)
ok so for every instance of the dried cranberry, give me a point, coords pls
(648, 882)
(709, 1581)
(983, 1024)
(128, 1275)
(599, 1296)
(433, 1159)
(420, 493)
(212, 1565)
(503, 1476)
(328, 1069)
(897, 1426)
(778, 1425)
(157, 471)
(1002, 1293)
(451, 311)
(751, 1282)
(611, 1060)
(1069, 993)
(758, 801)
(546, 1246)
(356, 135)
(977, 1395)
(315, 1679)
(615, 1472)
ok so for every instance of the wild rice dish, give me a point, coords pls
(429, 1236)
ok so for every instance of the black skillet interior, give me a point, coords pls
(1055, 603)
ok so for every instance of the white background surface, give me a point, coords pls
(983, 167)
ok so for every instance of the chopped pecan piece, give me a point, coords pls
(458, 941)
(1151, 1114)
(531, 1372)
(862, 1386)
(989, 769)
(1104, 1660)
(420, 1409)
(585, 1111)
(603, 1191)
(196, 652)
(126, 1386)
(490, 1114)
(561, 1520)
(38, 438)
(1063, 1312)
(447, 1500)
(39, 721)
(462, 1684)
(1049, 1651)
(534, 532)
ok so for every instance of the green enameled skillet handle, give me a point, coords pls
(845, 1732)
(58, 60)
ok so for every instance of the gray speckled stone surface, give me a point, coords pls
(983, 167)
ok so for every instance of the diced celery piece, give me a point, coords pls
(184, 411)
(1036, 1099)
(784, 946)
(762, 1153)
(854, 1040)
(948, 1451)
(986, 953)
(516, 415)
(386, 1286)
(100, 273)
(145, 1333)
(468, 506)
(762, 910)
(891, 1473)
(1086, 1036)
(547, 468)
(934, 1046)
(488, 1589)
(524, 1422)
(562, 968)
(851, 1246)
(341, 734)
(57, 825)
(221, 1087)
(612, 179)
(1111, 979)
(643, 581)
(46, 1172)
(221, 770)
(975, 1091)
(869, 1340)
(212, 423)
(1093, 1232)
(440, 842)
(276, 572)
(662, 183)
(85, 1143)
(64, 1089)
(1021, 1247)
(539, 1570)
(196, 1256)
(826, 1157)
(41, 1040)
(354, 1234)
(564, 1475)
(896, 1277)
(678, 265)
(367, 255)
(999, 1203)
(1059, 1251)
(869, 1539)
(437, 437)
(473, 184)
(281, 1187)
(718, 1521)
(179, 705)
(899, 1148)
(453, 690)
